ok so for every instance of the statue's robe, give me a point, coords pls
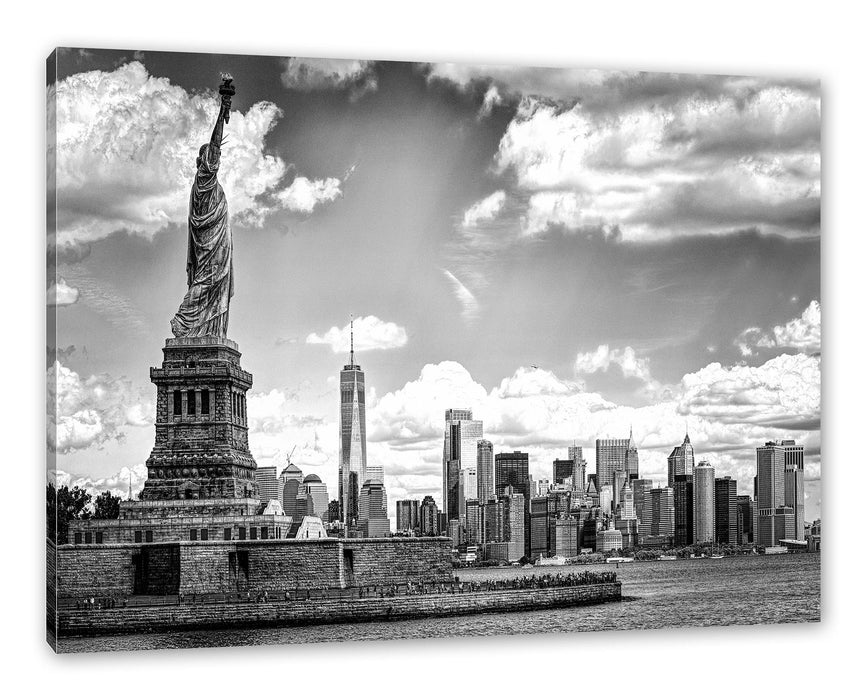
(205, 308)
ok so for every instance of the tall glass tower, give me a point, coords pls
(353, 434)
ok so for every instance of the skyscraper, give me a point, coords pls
(563, 471)
(289, 486)
(727, 528)
(641, 489)
(373, 510)
(429, 517)
(773, 459)
(460, 454)
(705, 502)
(317, 496)
(512, 470)
(353, 430)
(747, 518)
(408, 516)
(266, 478)
(794, 497)
(684, 510)
(631, 458)
(578, 479)
(486, 474)
(610, 457)
(659, 514)
(681, 460)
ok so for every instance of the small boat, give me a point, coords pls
(619, 560)
(551, 561)
(667, 557)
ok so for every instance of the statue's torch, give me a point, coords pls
(227, 90)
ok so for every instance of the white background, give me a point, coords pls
(817, 40)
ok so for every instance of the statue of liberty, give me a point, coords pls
(209, 275)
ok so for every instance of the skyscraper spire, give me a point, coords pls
(352, 339)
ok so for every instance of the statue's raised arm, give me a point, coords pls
(204, 310)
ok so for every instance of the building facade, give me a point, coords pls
(727, 522)
(681, 460)
(353, 434)
(460, 457)
(774, 459)
(705, 502)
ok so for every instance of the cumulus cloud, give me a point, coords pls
(371, 333)
(492, 99)
(126, 145)
(303, 195)
(802, 334)
(61, 294)
(783, 392)
(699, 166)
(119, 484)
(604, 356)
(467, 299)
(89, 412)
(310, 74)
(729, 410)
(484, 209)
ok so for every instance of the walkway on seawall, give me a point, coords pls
(213, 613)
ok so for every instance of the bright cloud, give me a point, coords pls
(729, 411)
(61, 294)
(696, 166)
(309, 74)
(84, 413)
(119, 483)
(126, 146)
(602, 358)
(371, 333)
(802, 334)
(484, 209)
(303, 195)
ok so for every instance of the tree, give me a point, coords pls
(62, 505)
(107, 506)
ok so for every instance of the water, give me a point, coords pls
(684, 593)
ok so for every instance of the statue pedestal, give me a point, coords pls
(201, 451)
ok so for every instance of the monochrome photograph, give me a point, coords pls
(345, 350)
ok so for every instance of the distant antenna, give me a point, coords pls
(129, 495)
(352, 339)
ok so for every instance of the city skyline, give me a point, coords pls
(716, 330)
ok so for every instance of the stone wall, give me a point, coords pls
(397, 560)
(230, 566)
(228, 615)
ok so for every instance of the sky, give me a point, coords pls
(571, 253)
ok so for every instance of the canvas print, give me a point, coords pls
(345, 350)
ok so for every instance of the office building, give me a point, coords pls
(773, 460)
(684, 510)
(578, 479)
(795, 496)
(747, 518)
(539, 487)
(608, 540)
(459, 455)
(266, 478)
(486, 472)
(681, 461)
(631, 458)
(373, 510)
(315, 493)
(289, 487)
(659, 512)
(705, 502)
(727, 528)
(641, 489)
(353, 433)
(408, 516)
(429, 517)
(511, 469)
(563, 471)
(474, 521)
(566, 542)
(610, 458)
